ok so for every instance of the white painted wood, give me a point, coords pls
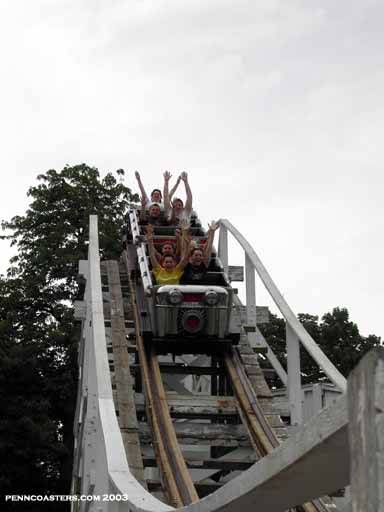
(260, 341)
(295, 394)
(317, 398)
(285, 477)
(223, 247)
(261, 314)
(330, 370)
(366, 432)
(272, 358)
(250, 291)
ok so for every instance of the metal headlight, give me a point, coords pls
(175, 297)
(211, 298)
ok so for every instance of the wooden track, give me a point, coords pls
(126, 412)
(229, 371)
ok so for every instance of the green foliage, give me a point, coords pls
(52, 236)
(38, 334)
(336, 335)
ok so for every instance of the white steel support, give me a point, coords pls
(223, 247)
(295, 394)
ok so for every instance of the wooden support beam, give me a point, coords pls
(206, 434)
(295, 394)
(261, 314)
(223, 247)
(366, 432)
(203, 489)
(181, 369)
(250, 290)
(236, 273)
(219, 464)
(195, 405)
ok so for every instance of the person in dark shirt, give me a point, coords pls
(153, 216)
(196, 269)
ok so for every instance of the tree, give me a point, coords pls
(336, 335)
(38, 334)
(341, 338)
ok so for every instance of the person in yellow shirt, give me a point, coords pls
(166, 271)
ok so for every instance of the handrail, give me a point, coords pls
(310, 345)
(100, 443)
(143, 261)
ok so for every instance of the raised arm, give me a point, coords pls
(174, 188)
(185, 236)
(179, 242)
(143, 211)
(141, 187)
(188, 191)
(213, 226)
(151, 247)
(185, 254)
(167, 198)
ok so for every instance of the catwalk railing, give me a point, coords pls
(295, 332)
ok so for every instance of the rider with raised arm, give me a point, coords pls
(175, 210)
(175, 249)
(156, 196)
(166, 271)
(153, 215)
(197, 267)
(166, 193)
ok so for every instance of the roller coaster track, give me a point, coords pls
(113, 442)
(177, 481)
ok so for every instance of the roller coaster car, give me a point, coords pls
(195, 311)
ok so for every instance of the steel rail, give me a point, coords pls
(261, 433)
(164, 464)
(177, 480)
(264, 437)
(181, 474)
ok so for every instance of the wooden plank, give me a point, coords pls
(206, 434)
(219, 464)
(181, 369)
(366, 432)
(195, 405)
(295, 394)
(122, 376)
(203, 489)
(236, 273)
(127, 311)
(261, 313)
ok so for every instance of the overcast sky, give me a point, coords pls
(275, 108)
